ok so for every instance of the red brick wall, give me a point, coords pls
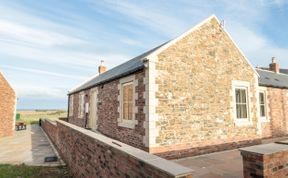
(7, 108)
(50, 127)
(274, 164)
(90, 154)
(278, 106)
(108, 114)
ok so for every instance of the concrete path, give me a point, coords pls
(226, 164)
(29, 146)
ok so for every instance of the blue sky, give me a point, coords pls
(47, 47)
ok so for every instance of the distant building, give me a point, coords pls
(195, 94)
(7, 107)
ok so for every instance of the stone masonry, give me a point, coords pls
(195, 92)
(7, 107)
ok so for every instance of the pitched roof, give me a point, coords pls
(122, 70)
(271, 79)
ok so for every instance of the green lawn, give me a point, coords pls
(32, 117)
(24, 171)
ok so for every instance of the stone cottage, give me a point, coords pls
(7, 107)
(195, 94)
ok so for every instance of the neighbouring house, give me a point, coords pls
(273, 97)
(7, 107)
(195, 94)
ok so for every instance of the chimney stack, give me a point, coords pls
(274, 66)
(101, 68)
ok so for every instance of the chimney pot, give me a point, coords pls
(101, 68)
(274, 66)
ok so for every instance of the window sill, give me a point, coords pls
(264, 120)
(128, 124)
(242, 123)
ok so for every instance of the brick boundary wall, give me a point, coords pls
(50, 127)
(90, 154)
(268, 160)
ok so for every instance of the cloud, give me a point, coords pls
(131, 42)
(42, 72)
(145, 16)
(40, 92)
(16, 32)
(58, 56)
(256, 46)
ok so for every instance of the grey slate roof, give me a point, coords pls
(272, 79)
(119, 71)
(284, 71)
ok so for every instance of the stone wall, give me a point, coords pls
(108, 113)
(7, 108)
(278, 113)
(89, 154)
(269, 161)
(194, 83)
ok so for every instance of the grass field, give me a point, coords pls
(32, 117)
(23, 171)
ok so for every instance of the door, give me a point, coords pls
(93, 110)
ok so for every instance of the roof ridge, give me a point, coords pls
(265, 70)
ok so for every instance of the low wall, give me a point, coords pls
(90, 154)
(268, 160)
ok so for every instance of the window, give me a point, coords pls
(71, 103)
(81, 105)
(127, 101)
(241, 103)
(262, 99)
(127, 97)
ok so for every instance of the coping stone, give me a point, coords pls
(266, 149)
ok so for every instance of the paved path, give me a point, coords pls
(227, 164)
(29, 146)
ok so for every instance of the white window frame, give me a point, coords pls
(121, 121)
(71, 105)
(246, 86)
(266, 118)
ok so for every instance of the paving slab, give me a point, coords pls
(227, 164)
(29, 146)
(220, 164)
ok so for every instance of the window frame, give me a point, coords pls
(266, 101)
(241, 85)
(71, 105)
(122, 100)
(81, 107)
(124, 122)
(247, 104)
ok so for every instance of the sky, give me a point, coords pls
(48, 47)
